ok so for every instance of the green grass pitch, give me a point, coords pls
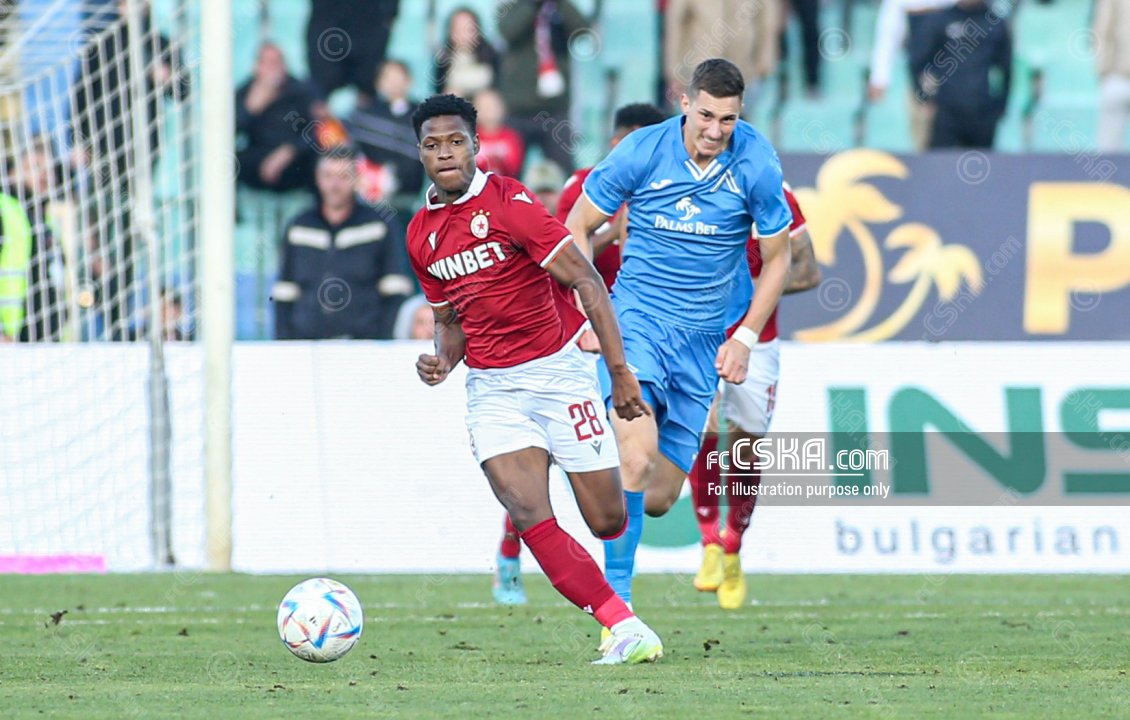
(188, 645)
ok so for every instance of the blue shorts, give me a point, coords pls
(675, 367)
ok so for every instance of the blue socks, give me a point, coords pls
(620, 554)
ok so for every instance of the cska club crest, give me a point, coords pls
(480, 225)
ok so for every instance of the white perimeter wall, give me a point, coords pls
(344, 461)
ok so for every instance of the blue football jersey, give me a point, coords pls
(685, 259)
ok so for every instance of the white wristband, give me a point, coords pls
(745, 336)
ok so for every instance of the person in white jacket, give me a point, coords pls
(1112, 60)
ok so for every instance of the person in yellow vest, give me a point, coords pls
(31, 262)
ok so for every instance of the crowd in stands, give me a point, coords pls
(289, 140)
(45, 191)
(360, 168)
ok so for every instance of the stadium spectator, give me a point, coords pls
(382, 130)
(966, 56)
(535, 73)
(745, 32)
(414, 320)
(343, 272)
(272, 113)
(32, 264)
(346, 42)
(1112, 58)
(103, 99)
(103, 148)
(501, 149)
(899, 23)
(467, 63)
(808, 15)
(175, 324)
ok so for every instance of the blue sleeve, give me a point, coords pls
(766, 200)
(616, 177)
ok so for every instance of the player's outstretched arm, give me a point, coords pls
(571, 268)
(732, 361)
(451, 345)
(583, 219)
(804, 273)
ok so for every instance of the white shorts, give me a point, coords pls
(750, 405)
(553, 403)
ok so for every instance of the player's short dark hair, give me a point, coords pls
(438, 105)
(637, 115)
(718, 77)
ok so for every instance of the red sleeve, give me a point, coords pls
(798, 217)
(569, 194)
(431, 287)
(540, 234)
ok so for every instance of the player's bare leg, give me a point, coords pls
(643, 468)
(638, 441)
(601, 501)
(663, 486)
(520, 481)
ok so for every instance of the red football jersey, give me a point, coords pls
(486, 254)
(608, 261)
(753, 254)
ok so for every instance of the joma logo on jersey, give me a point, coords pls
(688, 209)
(464, 263)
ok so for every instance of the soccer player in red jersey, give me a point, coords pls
(606, 239)
(605, 246)
(487, 255)
(747, 409)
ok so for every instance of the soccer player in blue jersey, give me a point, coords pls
(694, 185)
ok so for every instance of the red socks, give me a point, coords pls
(740, 512)
(706, 485)
(511, 547)
(706, 491)
(572, 571)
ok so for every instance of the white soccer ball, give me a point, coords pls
(320, 620)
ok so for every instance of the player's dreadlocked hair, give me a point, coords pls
(438, 105)
(717, 77)
(637, 115)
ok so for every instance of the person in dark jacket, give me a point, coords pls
(535, 73)
(346, 41)
(273, 112)
(382, 130)
(966, 54)
(344, 269)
